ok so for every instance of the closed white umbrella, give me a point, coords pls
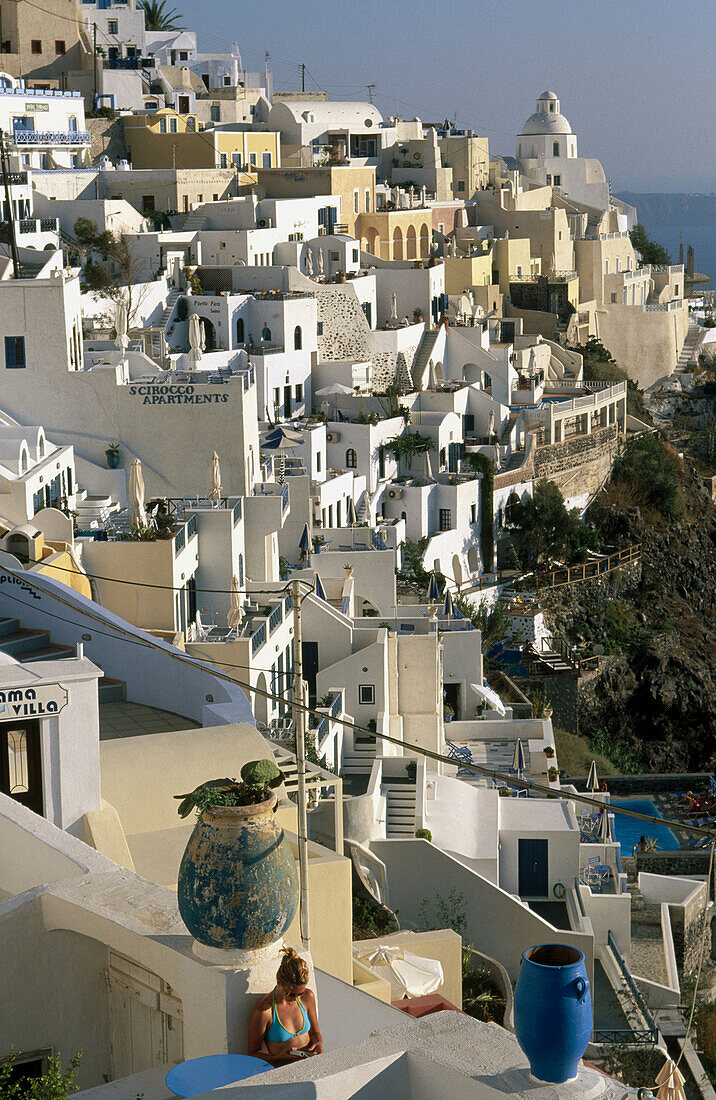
(195, 336)
(605, 828)
(351, 517)
(490, 697)
(394, 306)
(319, 261)
(215, 488)
(671, 1082)
(519, 763)
(120, 323)
(309, 262)
(432, 376)
(233, 619)
(592, 778)
(138, 517)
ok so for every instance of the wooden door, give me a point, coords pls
(145, 1019)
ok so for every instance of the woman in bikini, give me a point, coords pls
(285, 1021)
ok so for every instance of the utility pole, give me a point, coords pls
(10, 213)
(266, 63)
(371, 93)
(299, 727)
(94, 56)
(303, 76)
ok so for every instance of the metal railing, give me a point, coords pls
(191, 527)
(51, 137)
(27, 93)
(180, 539)
(275, 618)
(638, 1037)
(49, 225)
(258, 638)
(238, 511)
(287, 602)
(633, 988)
(17, 178)
(335, 708)
(284, 497)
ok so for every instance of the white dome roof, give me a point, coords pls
(543, 123)
(550, 96)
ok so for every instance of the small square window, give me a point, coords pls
(15, 352)
(355, 255)
(252, 159)
(299, 391)
(59, 46)
(36, 45)
(461, 185)
(366, 695)
(356, 203)
(112, 26)
(334, 256)
(473, 513)
(265, 160)
(557, 181)
(319, 328)
(445, 519)
(614, 298)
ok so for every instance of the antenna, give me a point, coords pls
(371, 92)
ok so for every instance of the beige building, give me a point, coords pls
(354, 186)
(40, 43)
(396, 234)
(168, 139)
(469, 157)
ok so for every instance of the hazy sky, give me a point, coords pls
(636, 79)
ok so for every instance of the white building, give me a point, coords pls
(45, 127)
(547, 154)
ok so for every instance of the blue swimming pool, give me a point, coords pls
(629, 829)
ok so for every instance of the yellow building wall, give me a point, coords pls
(61, 567)
(465, 272)
(507, 255)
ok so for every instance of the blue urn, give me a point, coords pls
(238, 886)
(553, 1010)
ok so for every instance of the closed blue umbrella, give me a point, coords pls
(433, 589)
(592, 778)
(351, 517)
(304, 543)
(448, 608)
(320, 591)
(519, 763)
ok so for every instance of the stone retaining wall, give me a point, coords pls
(578, 465)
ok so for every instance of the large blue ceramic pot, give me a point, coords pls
(238, 887)
(553, 1010)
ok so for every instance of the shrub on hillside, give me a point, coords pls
(647, 473)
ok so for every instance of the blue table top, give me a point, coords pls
(199, 1075)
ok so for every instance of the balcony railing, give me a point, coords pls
(237, 512)
(257, 639)
(191, 527)
(180, 540)
(275, 618)
(27, 93)
(51, 137)
(284, 498)
(19, 179)
(38, 225)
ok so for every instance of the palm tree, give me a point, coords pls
(157, 19)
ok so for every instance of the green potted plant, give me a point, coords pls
(112, 455)
(549, 752)
(237, 886)
(424, 834)
(418, 315)
(448, 713)
(553, 774)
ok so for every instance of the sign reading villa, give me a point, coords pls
(32, 702)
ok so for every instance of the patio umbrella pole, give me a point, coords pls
(298, 725)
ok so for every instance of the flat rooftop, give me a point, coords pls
(123, 719)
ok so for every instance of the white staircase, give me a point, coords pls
(94, 510)
(689, 352)
(359, 759)
(168, 309)
(195, 222)
(399, 808)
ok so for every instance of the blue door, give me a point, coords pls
(533, 868)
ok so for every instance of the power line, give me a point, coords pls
(478, 769)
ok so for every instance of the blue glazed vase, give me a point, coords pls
(238, 886)
(553, 1010)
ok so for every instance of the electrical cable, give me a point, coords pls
(478, 769)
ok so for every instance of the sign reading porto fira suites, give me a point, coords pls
(176, 395)
(32, 702)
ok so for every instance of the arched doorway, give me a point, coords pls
(209, 334)
(424, 242)
(240, 338)
(411, 241)
(261, 702)
(397, 243)
(473, 561)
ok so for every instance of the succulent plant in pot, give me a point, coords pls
(552, 774)
(549, 752)
(258, 778)
(237, 885)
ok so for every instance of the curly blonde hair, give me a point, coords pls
(293, 970)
